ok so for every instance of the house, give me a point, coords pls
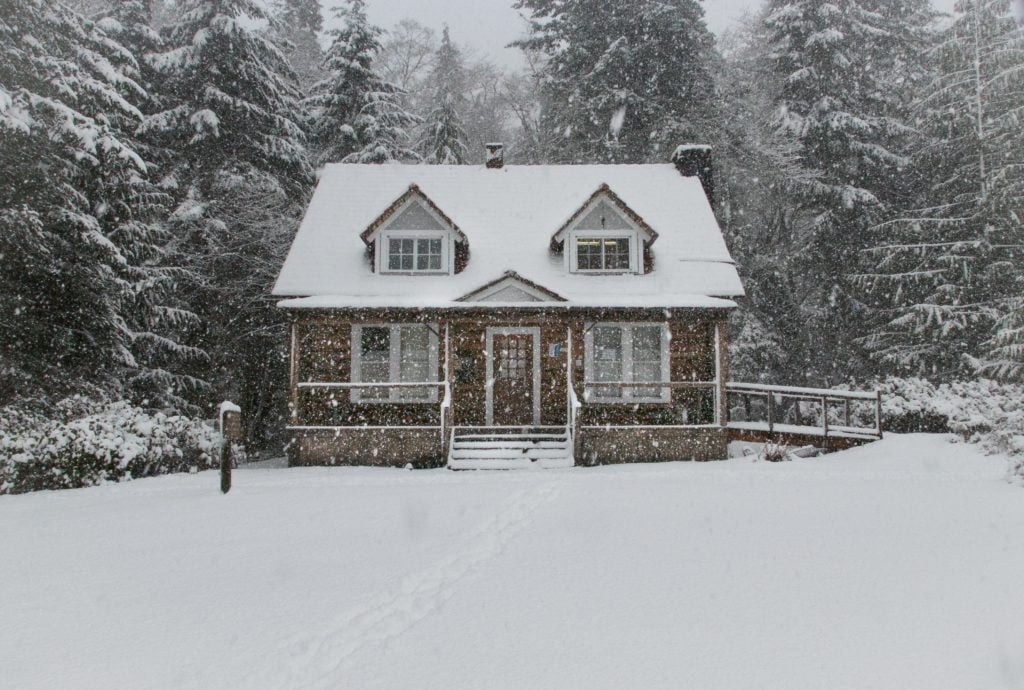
(507, 316)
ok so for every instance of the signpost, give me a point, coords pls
(230, 430)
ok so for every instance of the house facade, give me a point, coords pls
(509, 316)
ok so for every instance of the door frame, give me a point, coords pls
(510, 330)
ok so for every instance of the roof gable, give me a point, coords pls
(593, 212)
(411, 207)
(511, 287)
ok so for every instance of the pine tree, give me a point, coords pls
(834, 63)
(301, 15)
(755, 165)
(623, 81)
(443, 140)
(129, 22)
(231, 115)
(233, 98)
(949, 269)
(79, 294)
(298, 23)
(157, 316)
(357, 115)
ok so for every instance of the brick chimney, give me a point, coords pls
(694, 160)
(495, 156)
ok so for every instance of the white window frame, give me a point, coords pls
(395, 363)
(636, 233)
(576, 235)
(629, 395)
(414, 235)
(381, 236)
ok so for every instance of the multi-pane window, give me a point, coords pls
(415, 254)
(602, 254)
(414, 361)
(627, 353)
(394, 353)
(607, 361)
(374, 361)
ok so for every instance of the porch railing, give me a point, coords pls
(834, 414)
(444, 403)
(692, 385)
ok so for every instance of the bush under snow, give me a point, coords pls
(980, 411)
(83, 443)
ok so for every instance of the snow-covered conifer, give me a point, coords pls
(357, 115)
(833, 64)
(231, 115)
(235, 100)
(443, 139)
(623, 81)
(950, 267)
(79, 293)
(299, 22)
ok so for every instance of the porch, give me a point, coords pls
(513, 390)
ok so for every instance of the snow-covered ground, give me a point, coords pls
(896, 565)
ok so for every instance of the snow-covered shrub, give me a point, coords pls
(83, 443)
(981, 411)
(773, 452)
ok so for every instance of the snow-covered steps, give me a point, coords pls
(482, 449)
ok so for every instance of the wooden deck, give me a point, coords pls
(790, 415)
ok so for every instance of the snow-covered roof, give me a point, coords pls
(508, 217)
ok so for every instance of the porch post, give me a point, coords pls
(568, 374)
(294, 443)
(293, 373)
(570, 420)
(447, 415)
(721, 373)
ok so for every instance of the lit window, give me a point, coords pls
(627, 353)
(603, 254)
(411, 254)
(394, 354)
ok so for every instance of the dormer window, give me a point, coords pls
(603, 254)
(604, 236)
(415, 252)
(414, 237)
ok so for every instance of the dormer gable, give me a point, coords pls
(413, 236)
(604, 235)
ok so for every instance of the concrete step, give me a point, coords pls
(460, 443)
(510, 453)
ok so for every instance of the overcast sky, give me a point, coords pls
(489, 25)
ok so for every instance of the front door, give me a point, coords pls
(512, 396)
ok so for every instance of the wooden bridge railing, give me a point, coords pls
(827, 399)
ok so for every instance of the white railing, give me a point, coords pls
(343, 384)
(445, 404)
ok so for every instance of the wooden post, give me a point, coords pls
(771, 415)
(846, 412)
(230, 430)
(824, 415)
(878, 412)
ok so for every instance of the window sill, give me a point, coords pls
(421, 401)
(627, 401)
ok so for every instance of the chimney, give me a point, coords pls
(495, 156)
(694, 160)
